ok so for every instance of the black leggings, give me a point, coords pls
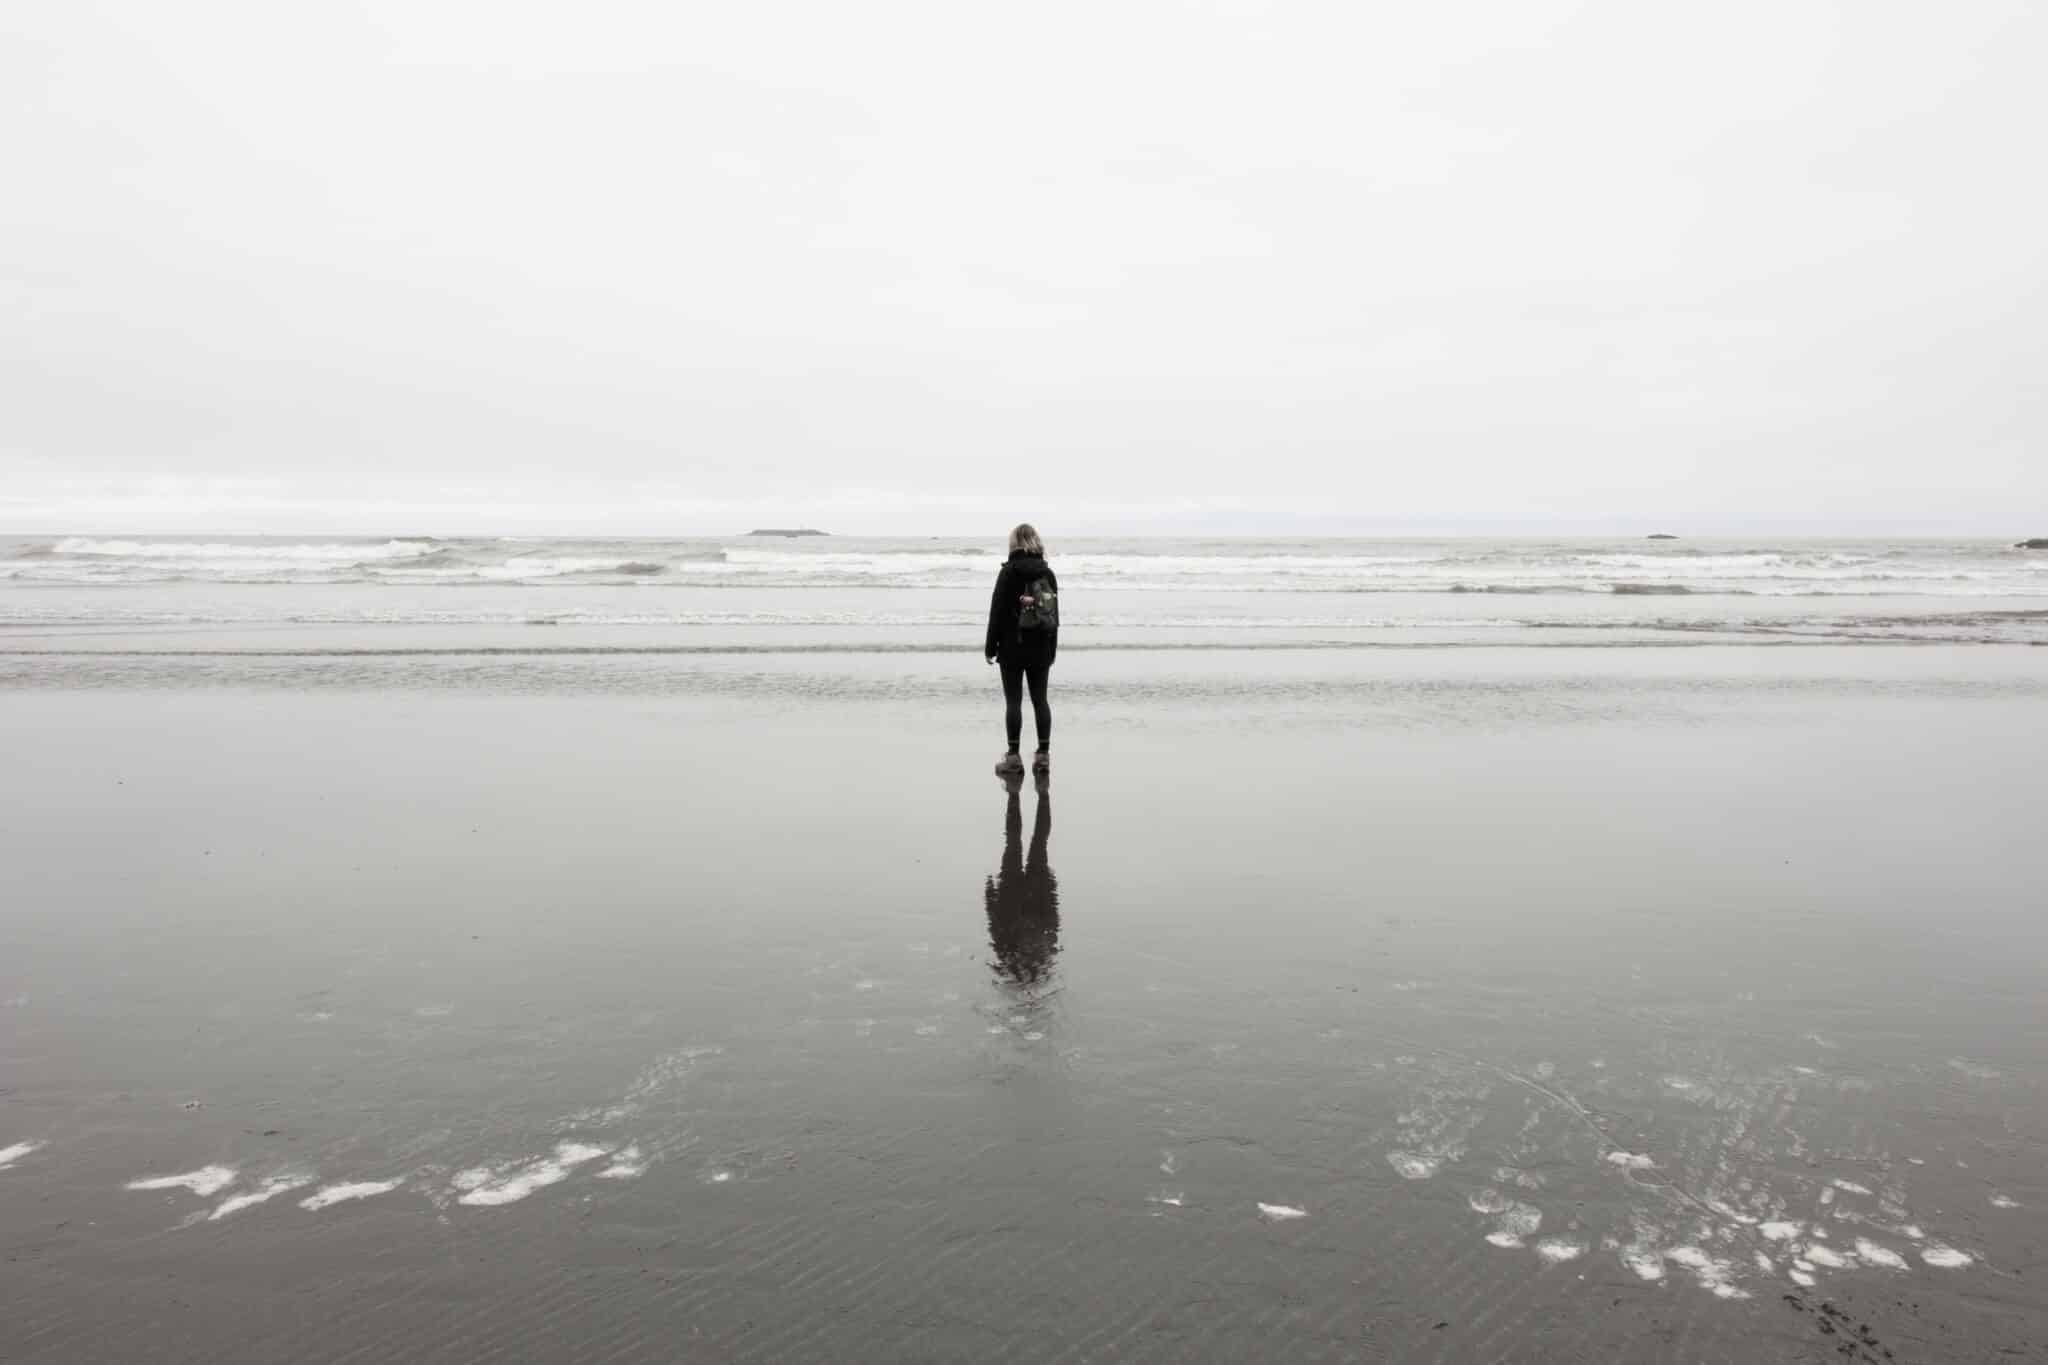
(1019, 666)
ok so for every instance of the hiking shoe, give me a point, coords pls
(1041, 762)
(1012, 764)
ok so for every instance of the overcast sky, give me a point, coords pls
(444, 267)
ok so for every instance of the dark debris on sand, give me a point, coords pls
(1857, 1343)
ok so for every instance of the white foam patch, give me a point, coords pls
(1556, 1250)
(1763, 1263)
(1779, 1231)
(2004, 1201)
(1723, 1289)
(1870, 1253)
(1171, 1198)
(1488, 1200)
(1712, 1274)
(1946, 1257)
(1850, 1187)
(268, 1190)
(10, 1155)
(1644, 1262)
(1826, 1256)
(1630, 1161)
(490, 1186)
(207, 1180)
(1801, 1278)
(1827, 1196)
(1731, 1213)
(1517, 1222)
(328, 1195)
(1415, 1165)
(1280, 1213)
(627, 1164)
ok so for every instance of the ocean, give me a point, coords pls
(882, 594)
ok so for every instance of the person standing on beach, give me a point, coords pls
(1023, 638)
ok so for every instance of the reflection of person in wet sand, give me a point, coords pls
(1023, 898)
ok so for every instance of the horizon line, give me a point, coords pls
(1418, 530)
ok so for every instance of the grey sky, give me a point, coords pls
(416, 266)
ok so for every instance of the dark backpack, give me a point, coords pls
(1039, 608)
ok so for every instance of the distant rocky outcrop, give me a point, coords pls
(788, 533)
(2037, 543)
(1662, 535)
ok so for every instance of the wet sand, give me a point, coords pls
(1426, 1007)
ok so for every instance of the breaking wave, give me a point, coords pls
(1958, 569)
(182, 551)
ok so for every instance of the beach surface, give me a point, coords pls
(465, 1001)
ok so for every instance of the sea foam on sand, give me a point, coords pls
(488, 1186)
(207, 1180)
(10, 1155)
(269, 1189)
(341, 1194)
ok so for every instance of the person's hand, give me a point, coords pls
(988, 658)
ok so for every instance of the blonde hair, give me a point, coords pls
(1024, 540)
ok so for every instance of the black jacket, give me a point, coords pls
(1018, 573)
